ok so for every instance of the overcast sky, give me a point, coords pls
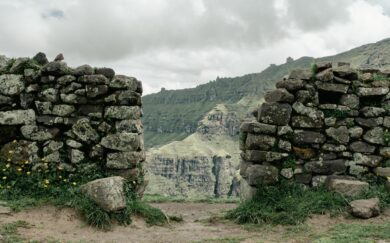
(181, 43)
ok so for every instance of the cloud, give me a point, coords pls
(181, 43)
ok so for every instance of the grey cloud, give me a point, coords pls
(54, 13)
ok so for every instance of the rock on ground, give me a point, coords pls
(365, 208)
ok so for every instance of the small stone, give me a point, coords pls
(93, 79)
(378, 91)
(56, 69)
(17, 117)
(85, 132)
(84, 70)
(122, 141)
(66, 79)
(334, 148)
(369, 122)
(52, 146)
(107, 72)
(304, 153)
(73, 143)
(332, 87)
(330, 121)
(259, 142)
(76, 156)
(297, 74)
(306, 122)
(386, 122)
(355, 132)
(381, 171)
(108, 193)
(318, 181)
(361, 147)
(287, 173)
(368, 111)
(385, 152)
(257, 128)
(350, 100)
(259, 175)
(124, 82)
(63, 110)
(367, 160)
(41, 58)
(284, 145)
(36, 133)
(11, 84)
(93, 91)
(290, 85)
(44, 108)
(122, 112)
(49, 94)
(275, 113)
(263, 156)
(284, 130)
(308, 137)
(365, 208)
(326, 167)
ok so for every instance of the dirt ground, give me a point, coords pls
(200, 224)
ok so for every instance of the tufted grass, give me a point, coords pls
(291, 204)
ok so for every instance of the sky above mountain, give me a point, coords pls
(181, 43)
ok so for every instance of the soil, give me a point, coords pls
(200, 224)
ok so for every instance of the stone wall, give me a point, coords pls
(80, 118)
(320, 122)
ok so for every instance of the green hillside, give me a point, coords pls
(174, 114)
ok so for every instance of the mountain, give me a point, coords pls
(180, 152)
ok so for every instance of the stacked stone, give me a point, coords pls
(80, 118)
(329, 121)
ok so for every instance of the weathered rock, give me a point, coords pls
(132, 126)
(369, 122)
(361, 147)
(334, 148)
(124, 82)
(11, 84)
(332, 87)
(36, 133)
(308, 111)
(377, 91)
(385, 152)
(263, 156)
(308, 137)
(260, 175)
(93, 79)
(83, 70)
(290, 85)
(66, 79)
(304, 153)
(107, 72)
(345, 72)
(303, 178)
(345, 187)
(326, 167)
(369, 111)
(76, 156)
(386, 122)
(63, 110)
(284, 145)
(287, 173)
(284, 130)
(108, 193)
(259, 142)
(122, 141)
(367, 160)
(279, 95)
(275, 113)
(257, 128)
(303, 74)
(124, 160)
(340, 134)
(44, 108)
(85, 132)
(73, 143)
(52, 146)
(355, 132)
(122, 112)
(318, 180)
(73, 99)
(17, 117)
(306, 122)
(350, 100)
(381, 171)
(325, 75)
(374, 136)
(247, 192)
(56, 69)
(365, 208)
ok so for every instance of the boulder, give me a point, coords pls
(107, 72)
(83, 70)
(41, 58)
(11, 84)
(56, 69)
(365, 208)
(108, 193)
(326, 167)
(290, 85)
(346, 187)
(124, 82)
(374, 136)
(275, 113)
(296, 74)
(260, 175)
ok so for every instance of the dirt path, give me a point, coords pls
(64, 225)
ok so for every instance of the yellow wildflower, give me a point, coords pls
(9, 159)
(28, 172)
(8, 187)
(46, 181)
(14, 141)
(45, 186)
(11, 152)
(7, 165)
(19, 169)
(4, 178)
(65, 180)
(4, 169)
(388, 178)
(74, 183)
(27, 162)
(60, 177)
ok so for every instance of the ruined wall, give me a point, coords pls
(75, 119)
(319, 122)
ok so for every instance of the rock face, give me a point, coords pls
(365, 209)
(108, 193)
(198, 166)
(328, 124)
(76, 119)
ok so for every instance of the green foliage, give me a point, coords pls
(386, 136)
(291, 204)
(379, 77)
(357, 233)
(289, 162)
(286, 204)
(152, 215)
(314, 69)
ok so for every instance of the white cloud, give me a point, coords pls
(181, 43)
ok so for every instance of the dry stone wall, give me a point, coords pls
(79, 119)
(331, 120)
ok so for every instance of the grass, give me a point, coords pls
(223, 240)
(10, 231)
(155, 198)
(291, 204)
(345, 233)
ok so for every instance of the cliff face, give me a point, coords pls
(198, 166)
